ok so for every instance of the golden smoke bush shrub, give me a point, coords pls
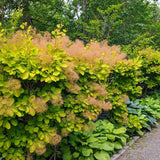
(52, 86)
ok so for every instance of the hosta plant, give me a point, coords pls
(153, 104)
(140, 116)
(97, 141)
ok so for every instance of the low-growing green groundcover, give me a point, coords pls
(140, 116)
(99, 141)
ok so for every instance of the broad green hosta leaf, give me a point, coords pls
(66, 153)
(121, 130)
(152, 120)
(92, 139)
(132, 111)
(104, 125)
(110, 137)
(86, 158)
(123, 140)
(102, 155)
(107, 146)
(117, 145)
(102, 139)
(140, 132)
(75, 155)
(86, 151)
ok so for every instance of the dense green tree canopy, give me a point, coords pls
(118, 21)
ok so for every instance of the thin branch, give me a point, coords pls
(54, 154)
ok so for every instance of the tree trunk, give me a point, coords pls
(2, 12)
(83, 11)
(84, 7)
(26, 13)
(124, 23)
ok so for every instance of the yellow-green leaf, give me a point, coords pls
(7, 125)
(6, 145)
(1, 122)
(25, 75)
(14, 122)
(32, 148)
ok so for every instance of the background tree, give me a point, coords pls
(117, 21)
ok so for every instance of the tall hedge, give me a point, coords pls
(50, 86)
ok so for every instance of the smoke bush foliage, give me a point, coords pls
(50, 86)
(150, 68)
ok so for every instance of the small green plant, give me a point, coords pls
(140, 116)
(134, 124)
(153, 104)
(98, 141)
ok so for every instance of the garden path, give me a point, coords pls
(146, 148)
